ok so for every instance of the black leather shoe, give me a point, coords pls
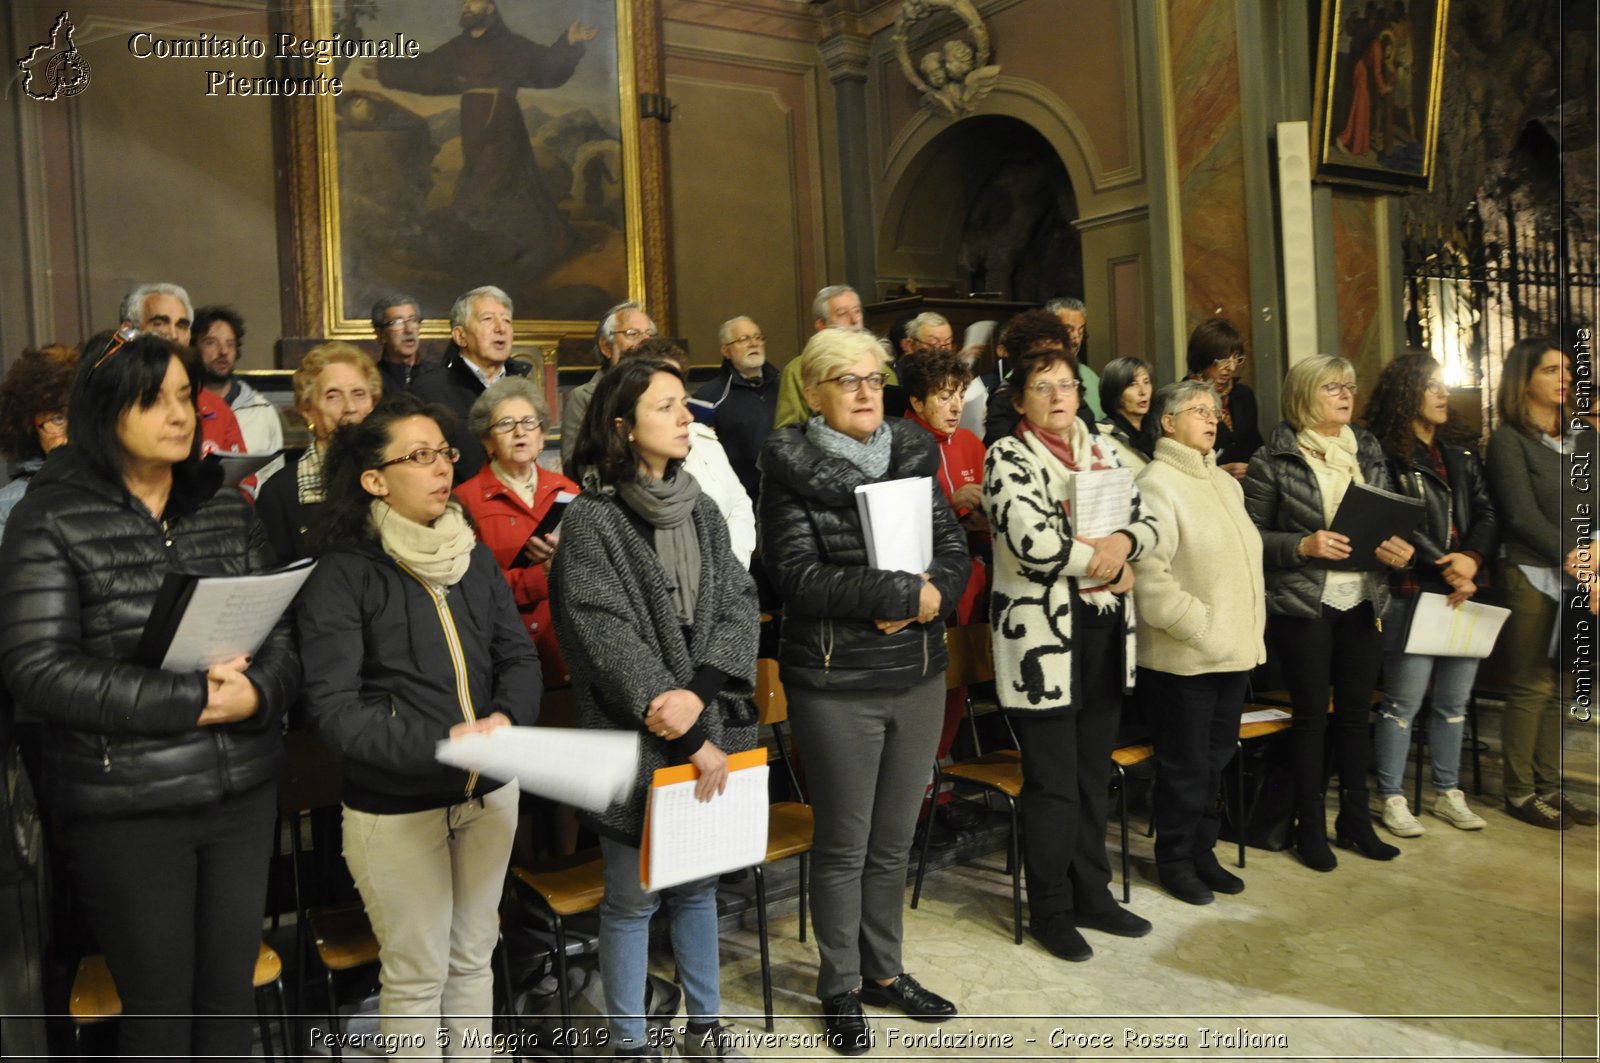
(1061, 939)
(1216, 876)
(908, 994)
(1114, 920)
(844, 1025)
(1185, 884)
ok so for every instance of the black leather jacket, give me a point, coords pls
(1283, 500)
(814, 551)
(80, 568)
(1464, 499)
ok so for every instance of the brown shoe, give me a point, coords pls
(1540, 813)
(1583, 817)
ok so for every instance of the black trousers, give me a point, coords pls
(1342, 650)
(175, 900)
(1066, 767)
(1194, 722)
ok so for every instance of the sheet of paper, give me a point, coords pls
(1264, 716)
(692, 839)
(1466, 631)
(1101, 502)
(591, 770)
(897, 523)
(230, 615)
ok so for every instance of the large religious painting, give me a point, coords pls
(1379, 68)
(481, 142)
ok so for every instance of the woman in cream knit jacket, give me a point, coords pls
(1201, 614)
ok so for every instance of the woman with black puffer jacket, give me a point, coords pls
(863, 662)
(163, 783)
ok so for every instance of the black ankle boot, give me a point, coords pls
(1352, 828)
(1311, 835)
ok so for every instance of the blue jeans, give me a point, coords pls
(625, 944)
(1405, 682)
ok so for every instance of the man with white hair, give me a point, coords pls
(927, 331)
(624, 327)
(741, 401)
(836, 306)
(1072, 313)
(167, 310)
(480, 340)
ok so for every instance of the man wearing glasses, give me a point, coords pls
(481, 334)
(741, 402)
(624, 327)
(927, 332)
(397, 322)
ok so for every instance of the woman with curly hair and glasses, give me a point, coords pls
(1429, 460)
(33, 415)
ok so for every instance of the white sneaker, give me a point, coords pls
(1398, 818)
(1451, 806)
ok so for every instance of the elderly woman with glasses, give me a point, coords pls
(1063, 645)
(1201, 620)
(863, 661)
(1216, 355)
(1324, 624)
(161, 784)
(409, 636)
(508, 499)
(335, 384)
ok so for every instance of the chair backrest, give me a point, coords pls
(771, 702)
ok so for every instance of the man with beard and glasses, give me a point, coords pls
(219, 339)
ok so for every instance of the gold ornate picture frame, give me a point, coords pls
(418, 179)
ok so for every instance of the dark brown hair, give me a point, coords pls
(1521, 362)
(1211, 341)
(930, 372)
(38, 384)
(603, 450)
(1392, 411)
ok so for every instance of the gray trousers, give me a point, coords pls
(868, 757)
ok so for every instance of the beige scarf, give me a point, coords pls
(1333, 462)
(439, 553)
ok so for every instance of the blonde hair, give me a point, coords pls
(833, 350)
(1303, 382)
(321, 357)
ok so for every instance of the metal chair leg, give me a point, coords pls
(333, 1016)
(1122, 810)
(927, 840)
(766, 956)
(1472, 724)
(263, 1026)
(1238, 765)
(1016, 869)
(561, 973)
(805, 887)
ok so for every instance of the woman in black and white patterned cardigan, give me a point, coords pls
(1063, 647)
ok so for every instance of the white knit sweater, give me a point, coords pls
(1200, 591)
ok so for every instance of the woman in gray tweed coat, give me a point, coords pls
(658, 623)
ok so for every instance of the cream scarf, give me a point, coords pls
(1333, 463)
(439, 553)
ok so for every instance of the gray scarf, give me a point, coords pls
(871, 457)
(667, 505)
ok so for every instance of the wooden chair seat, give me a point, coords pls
(1001, 771)
(790, 827)
(343, 937)
(568, 888)
(1128, 756)
(269, 967)
(94, 995)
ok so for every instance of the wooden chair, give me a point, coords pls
(790, 824)
(95, 999)
(1249, 732)
(1123, 758)
(998, 773)
(565, 887)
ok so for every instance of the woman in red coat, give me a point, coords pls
(510, 496)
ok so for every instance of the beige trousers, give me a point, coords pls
(431, 882)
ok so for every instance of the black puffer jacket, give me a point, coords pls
(1464, 500)
(80, 568)
(382, 685)
(814, 551)
(1283, 499)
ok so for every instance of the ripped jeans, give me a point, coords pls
(1405, 682)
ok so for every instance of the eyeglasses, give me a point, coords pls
(1233, 361)
(942, 347)
(510, 424)
(423, 456)
(57, 421)
(744, 341)
(1205, 413)
(396, 324)
(1335, 387)
(1046, 389)
(1437, 387)
(851, 382)
(634, 333)
(119, 339)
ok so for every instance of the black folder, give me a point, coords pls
(548, 524)
(1369, 515)
(172, 602)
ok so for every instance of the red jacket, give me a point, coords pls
(219, 428)
(504, 525)
(961, 463)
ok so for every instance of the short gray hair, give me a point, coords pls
(133, 302)
(819, 305)
(1066, 302)
(1169, 398)
(381, 306)
(508, 387)
(925, 320)
(608, 324)
(462, 310)
(725, 330)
